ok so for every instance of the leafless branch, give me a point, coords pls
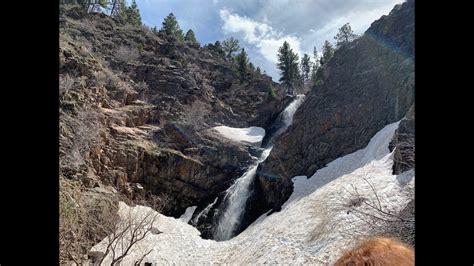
(371, 211)
(129, 231)
(137, 263)
(195, 114)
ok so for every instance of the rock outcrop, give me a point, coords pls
(368, 84)
(403, 143)
(135, 107)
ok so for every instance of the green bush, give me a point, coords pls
(271, 93)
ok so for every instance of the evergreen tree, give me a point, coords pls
(133, 15)
(315, 65)
(190, 37)
(218, 48)
(314, 70)
(288, 66)
(171, 27)
(259, 71)
(154, 30)
(118, 8)
(345, 35)
(242, 63)
(251, 67)
(305, 67)
(230, 46)
(328, 51)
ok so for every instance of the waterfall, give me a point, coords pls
(235, 198)
(285, 119)
(237, 195)
(204, 212)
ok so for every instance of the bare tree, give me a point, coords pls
(127, 233)
(195, 114)
(84, 220)
(378, 214)
(66, 82)
(142, 88)
(127, 54)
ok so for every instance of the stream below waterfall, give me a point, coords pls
(231, 208)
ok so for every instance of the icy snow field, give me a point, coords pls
(311, 228)
(252, 135)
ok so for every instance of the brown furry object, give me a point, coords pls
(378, 251)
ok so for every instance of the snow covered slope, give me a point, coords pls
(252, 135)
(314, 225)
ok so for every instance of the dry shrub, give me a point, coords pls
(378, 214)
(66, 83)
(195, 114)
(126, 233)
(86, 129)
(84, 220)
(126, 54)
(142, 88)
(107, 78)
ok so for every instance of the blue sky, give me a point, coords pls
(261, 26)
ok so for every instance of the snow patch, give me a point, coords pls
(252, 135)
(188, 214)
(313, 227)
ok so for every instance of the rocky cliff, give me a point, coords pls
(136, 110)
(368, 84)
(403, 143)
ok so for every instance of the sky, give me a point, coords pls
(261, 26)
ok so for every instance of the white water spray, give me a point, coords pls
(237, 195)
(205, 211)
(287, 115)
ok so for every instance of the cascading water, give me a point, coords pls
(204, 212)
(236, 196)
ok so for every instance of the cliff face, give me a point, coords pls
(368, 84)
(136, 108)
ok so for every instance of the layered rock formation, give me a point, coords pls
(368, 84)
(403, 143)
(135, 108)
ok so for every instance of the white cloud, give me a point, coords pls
(259, 34)
(304, 24)
(359, 21)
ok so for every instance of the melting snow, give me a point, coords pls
(313, 226)
(188, 214)
(252, 135)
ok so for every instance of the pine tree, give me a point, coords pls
(259, 71)
(314, 70)
(288, 66)
(230, 46)
(345, 35)
(117, 9)
(315, 54)
(171, 27)
(133, 15)
(251, 67)
(218, 48)
(328, 52)
(314, 66)
(305, 67)
(242, 63)
(154, 30)
(190, 37)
